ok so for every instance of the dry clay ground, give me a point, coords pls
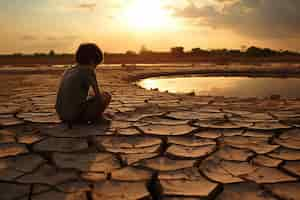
(158, 145)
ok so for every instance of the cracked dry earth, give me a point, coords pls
(158, 145)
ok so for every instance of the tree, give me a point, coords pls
(51, 53)
(243, 48)
(253, 51)
(199, 52)
(18, 54)
(259, 52)
(235, 52)
(219, 52)
(39, 54)
(196, 50)
(144, 50)
(130, 53)
(177, 51)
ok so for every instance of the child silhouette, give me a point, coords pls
(73, 103)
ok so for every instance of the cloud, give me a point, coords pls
(256, 18)
(192, 11)
(51, 38)
(61, 38)
(87, 6)
(29, 37)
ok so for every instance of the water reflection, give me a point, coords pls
(226, 86)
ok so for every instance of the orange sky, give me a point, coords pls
(119, 25)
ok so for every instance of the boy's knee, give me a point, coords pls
(107, 94)
(100, 103)
(107, 97)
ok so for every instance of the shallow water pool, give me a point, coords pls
(243, 87)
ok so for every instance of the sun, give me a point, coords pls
(145, 15)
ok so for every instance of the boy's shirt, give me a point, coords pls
(73, 91)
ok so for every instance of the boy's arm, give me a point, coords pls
(95, 86)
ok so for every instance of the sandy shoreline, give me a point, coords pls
(141, 72)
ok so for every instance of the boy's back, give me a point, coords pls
(73, 91)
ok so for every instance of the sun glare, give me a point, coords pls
(146, 15)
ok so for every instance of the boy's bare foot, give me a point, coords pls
(108, 115)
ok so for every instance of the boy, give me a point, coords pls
(73, 104)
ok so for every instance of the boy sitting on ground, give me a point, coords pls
(73, 103)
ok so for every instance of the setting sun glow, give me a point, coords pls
(146, 15)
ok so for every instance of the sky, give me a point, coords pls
(29, 26)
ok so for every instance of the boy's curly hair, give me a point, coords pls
(88, 52)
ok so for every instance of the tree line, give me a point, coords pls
(179, 51)
(252, 51)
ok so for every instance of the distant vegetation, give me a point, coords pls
(176, 54)
(251, 52)
(179, 51)
(38, 54)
